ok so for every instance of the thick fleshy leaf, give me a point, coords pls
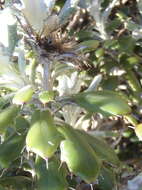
(105, 102)
(111, 83)
(138, 131)
(88, 46)
(7, 117)
(11, 149)
(106, 180)
(79, 156)
(101, 148)
(5, 100)
(46, 96)
(21, 124)
(23, 95)
(133, 81)
(51, 178)
(43, 137)
(126, 44)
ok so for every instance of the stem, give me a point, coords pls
(33, 72)
(46, 74)
(102, 29)
(99, 18)
(96, 11)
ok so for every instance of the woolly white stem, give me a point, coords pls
(46, 75)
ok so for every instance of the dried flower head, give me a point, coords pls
(56, 42)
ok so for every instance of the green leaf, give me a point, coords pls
(126, 44)
(51, 178)
(106, 179)
(88, 46)
(10, 149)
(99, 52)
(23, 95)
(131, 119)
(21, 124)
(17, 182)
(46, 96)
(3, 102)
(113, 25)
(111, 44)
(133, 60)
(84, 35)
(1, 188)
(105, 102)
(101, 148)
(110, 64)
(79, 156)
(7, 116)
(111, 83)
(138, 131)
(43, 137)
(133, 81)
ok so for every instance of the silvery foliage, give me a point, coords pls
(68, 85)
(10, 77)
(100, 16)
(8, 32)
(95, 82)
(36, 13)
